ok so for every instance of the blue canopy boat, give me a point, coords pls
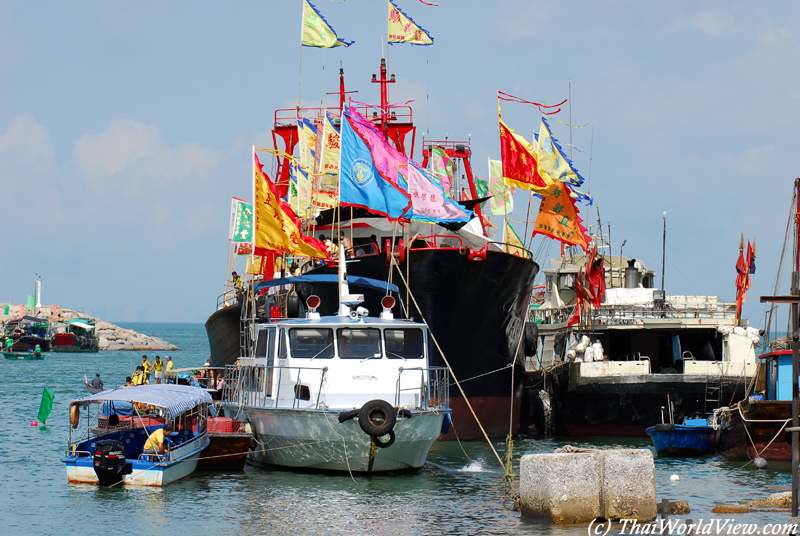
(111, 450)
(693, 438)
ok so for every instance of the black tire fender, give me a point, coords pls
(406, 413)
(388, 443)
(377, 417)
(347, 415)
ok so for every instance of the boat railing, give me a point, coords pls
(433, 390)
(253, 386)
(227, 298)
(435, 241)
(557, 315)
(69, 453)
(181, 450)
(514, 249)
(624, 315)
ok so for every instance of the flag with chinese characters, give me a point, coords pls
(404, 30)
(307, 137)
(502, 201)
(512, 241)
(276, 227)
(316, 30)
(520, 167)
(298, 194)
(244, 249)
(329, 147)
(325, 186)
(442, 169)
(241, 228)
(428, 202)
(554, 164)
(481, 190)
(558, 217)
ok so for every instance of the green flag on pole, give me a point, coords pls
(8, 307)
(47, 405)
(31, 301)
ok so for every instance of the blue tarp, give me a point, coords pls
(354, 280)
(176, 399)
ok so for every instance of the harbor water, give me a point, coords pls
(461, 490)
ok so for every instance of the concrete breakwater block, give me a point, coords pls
(577, 487)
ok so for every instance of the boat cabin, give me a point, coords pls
(774, 379)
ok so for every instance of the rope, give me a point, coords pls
(484, 374)
(446, 362)
(459, 443)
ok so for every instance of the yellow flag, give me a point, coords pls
(329, 160)
(403, 30)
(513, 243)
(316, 30)
(308, 142)
(276, 228)
(299, 196)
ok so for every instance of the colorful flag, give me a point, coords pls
(502, 201)
(8, 305)
(241, 228)
(307, 137)
(595, 277)
(46, 405)
(428, 201)
(404, 30)
(244, 249)
(442, 170)
(482, 190)
(361, 183)
(742, 276)
(751, 257)
(276, 227)
(512, 241)
(558, 217)
(316, 30)
(31, 301)
(329, 147)
(55, 311)
(21, 311)
(520, 167)
(298, 194)
(388, 160)
(554, 164)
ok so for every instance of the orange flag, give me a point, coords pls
(558, 218)
(520, 165)
(276, 227)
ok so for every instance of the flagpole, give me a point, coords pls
(300, 74)
(255, 208)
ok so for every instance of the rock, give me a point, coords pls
(102, 343)
(776, 500)
(728, 509)
(120, 345)
(678, 507)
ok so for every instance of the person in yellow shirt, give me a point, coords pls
(138, 377)
(156, 443)
(169, 362)
(158, 369)
(146, 368)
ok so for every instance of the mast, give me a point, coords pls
(384, 97)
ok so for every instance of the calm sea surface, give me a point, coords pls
(459, 492)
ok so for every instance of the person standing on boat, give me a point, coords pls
(158, 369)
(37, 351)
(146, 368)
(156, 443)
(346, 244)
(97, 382)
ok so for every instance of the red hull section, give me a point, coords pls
(764, 422)
(225, 451)
(493, 412)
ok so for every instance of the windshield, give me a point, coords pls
(404, 343)
(311, 342)
(359, 343)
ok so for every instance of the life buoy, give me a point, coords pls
(388, 443)
(74, 416)
(377, 418)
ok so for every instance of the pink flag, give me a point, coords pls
(54, 310)
(21, 310)
(388, 160)
(428, 200)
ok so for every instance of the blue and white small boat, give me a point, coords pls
(693, 438)
(110, 450)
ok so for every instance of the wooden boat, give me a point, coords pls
(76, 335)
(110, 452)
(93, 390)
(693, 438)
(23, 356)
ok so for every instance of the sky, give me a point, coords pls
(126, 126)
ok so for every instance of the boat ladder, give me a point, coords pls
(713, 396)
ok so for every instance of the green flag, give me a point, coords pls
(7, 308)
(47, 405)
(31, 301)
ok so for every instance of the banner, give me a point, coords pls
(330, 145)
(512, 241)
(244, 249)
(31, 301)
(502, 201)
(298, 194)
(307, 139)
(404, 30)
(316, 30)
(482, 190)
(442, 170)
(554, 164)
(46, 405)
(241, 228)
(558, 218)
(429, 204)
(276, 227)
(520, 167)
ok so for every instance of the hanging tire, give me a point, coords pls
(388, 443)
(531, 338)
(293, 306)
(377, 417)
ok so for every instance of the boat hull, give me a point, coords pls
(680, 441)
(29, 342)
(311, 439)
(225, 452)
(23, 356)
(222, 329)
(756, 428)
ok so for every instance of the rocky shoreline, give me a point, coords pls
(110, 337)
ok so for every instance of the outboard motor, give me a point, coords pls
(109, 462)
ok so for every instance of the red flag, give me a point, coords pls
(742, 276)
(595, 278)
(520, 166)
(21, 309)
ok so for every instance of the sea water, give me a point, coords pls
(460, 491)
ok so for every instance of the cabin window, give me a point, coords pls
(310, 343)
(261, 344)
(404, 343)
(282, 344)
(270, 345)
(359, 343)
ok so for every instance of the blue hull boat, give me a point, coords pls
(683, 440)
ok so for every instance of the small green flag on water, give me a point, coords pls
(47, 405)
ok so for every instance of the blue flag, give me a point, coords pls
(360, 183)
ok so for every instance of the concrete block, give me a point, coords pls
(629, 484)
(561, 488)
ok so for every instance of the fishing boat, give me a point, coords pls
(110, 449)
(611, 370)
(75, 335)
(24, 356)
(695, 437)
(26, 333)
(470, 290)
(346, 392)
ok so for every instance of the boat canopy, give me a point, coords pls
(354, 280)
(176, 399)
(79, 324)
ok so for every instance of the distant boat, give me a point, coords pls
(113, 452)
(693, 438)
(76, 335)
(93, 390)
(23, 356)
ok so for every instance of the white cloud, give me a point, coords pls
(124, 141)
(26, 139)
(715, 23)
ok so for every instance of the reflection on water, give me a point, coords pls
(456, 493)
